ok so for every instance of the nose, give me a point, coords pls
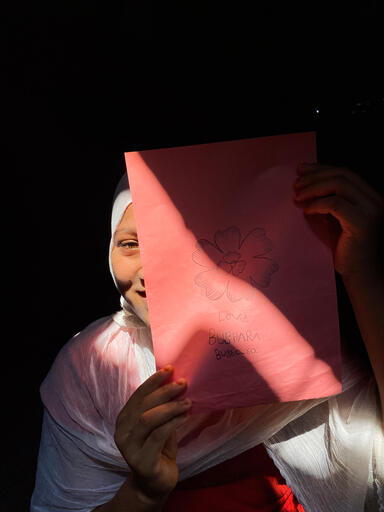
(142, 282)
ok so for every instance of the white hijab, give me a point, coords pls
(329, 450)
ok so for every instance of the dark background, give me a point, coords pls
(89, 82)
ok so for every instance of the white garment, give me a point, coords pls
(329, 450)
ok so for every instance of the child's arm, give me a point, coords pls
(355, 213)
(366, 293)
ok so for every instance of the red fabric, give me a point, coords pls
(248, 482)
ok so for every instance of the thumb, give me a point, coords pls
(170, 446)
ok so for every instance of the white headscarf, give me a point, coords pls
(121, 200)
(329, 450)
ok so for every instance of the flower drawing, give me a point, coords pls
(244, 258)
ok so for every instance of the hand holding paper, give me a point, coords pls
(354, 212)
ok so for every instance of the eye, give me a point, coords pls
(131, 244)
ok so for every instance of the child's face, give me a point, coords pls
(126, 264)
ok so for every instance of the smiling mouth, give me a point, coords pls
(142, 294)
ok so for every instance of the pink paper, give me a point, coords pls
(240, 284)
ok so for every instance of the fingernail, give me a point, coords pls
(167, 368)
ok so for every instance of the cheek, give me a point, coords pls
(121, 269)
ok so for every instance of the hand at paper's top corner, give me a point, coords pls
(354, 213)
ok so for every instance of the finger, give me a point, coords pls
(339, 185)
(152, 424)
(151, 384)
(163, 394)
(151, 420)
(135, 422)
(157, 440)
(349, 217)
(311, 171)
(170, 446)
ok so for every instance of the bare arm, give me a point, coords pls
(129, 498)
(355, 213)
(366, 292)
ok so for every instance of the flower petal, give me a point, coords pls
(255, 243)
(231, 294)
(227, 267)
(232, 257)
(206, 248)
(261, 270)
(238, 268)
(228, 239)
(213, 283)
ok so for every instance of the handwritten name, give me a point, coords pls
(226, 354)
(229, 337)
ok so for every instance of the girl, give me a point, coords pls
(116, 438)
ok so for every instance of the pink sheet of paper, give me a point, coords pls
(240, 284)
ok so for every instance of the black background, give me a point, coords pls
(89, 82)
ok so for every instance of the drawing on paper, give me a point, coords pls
(244, 258)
